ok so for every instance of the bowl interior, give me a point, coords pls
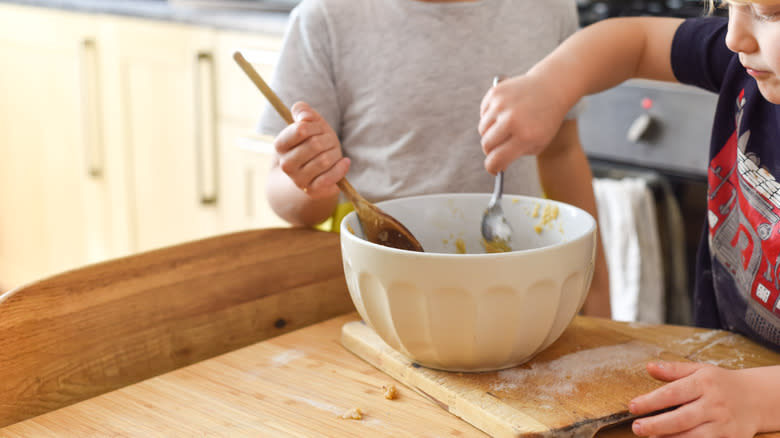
(451, 223)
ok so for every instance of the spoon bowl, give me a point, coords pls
(496, 231)
(378, 226)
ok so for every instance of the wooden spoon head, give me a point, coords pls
(378, 226)
(383, 229)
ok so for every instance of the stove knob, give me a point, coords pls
(639, 127)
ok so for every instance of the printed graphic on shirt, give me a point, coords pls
(744, 220)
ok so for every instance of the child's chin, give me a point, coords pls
(771, 92)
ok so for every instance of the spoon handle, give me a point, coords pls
(498, 189)
(269, 94)
(357, 200)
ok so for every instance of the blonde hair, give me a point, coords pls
(711, 3)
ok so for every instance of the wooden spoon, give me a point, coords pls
(378, 226)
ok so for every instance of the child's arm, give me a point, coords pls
(520, 115)
(301, 187)
(712, 401)
(565, 176)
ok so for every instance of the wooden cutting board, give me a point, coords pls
(579, 385)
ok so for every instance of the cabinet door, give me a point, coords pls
(246, 162)
(53, 189)
(167, 107)
(246, 156)
(239, 100)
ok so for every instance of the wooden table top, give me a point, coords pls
(299, 384)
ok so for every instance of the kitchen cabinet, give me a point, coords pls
(246, 160)
(246, 156)
(121, 134)
(166, 107)
(57, 199)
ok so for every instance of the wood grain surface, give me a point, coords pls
(91, 330)
(299, 384)
(579, 385)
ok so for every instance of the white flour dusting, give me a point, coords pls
(336, 410)
(320, 405)
(699, 337)
(561, 376)
(286, 357)
(735, 361)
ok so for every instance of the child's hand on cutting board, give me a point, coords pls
(710, 401)
(309, 152)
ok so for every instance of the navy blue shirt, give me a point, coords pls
(738, 263)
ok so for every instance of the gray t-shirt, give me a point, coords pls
(401, 81)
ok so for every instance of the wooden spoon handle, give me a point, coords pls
(357, 200)
(269, 94)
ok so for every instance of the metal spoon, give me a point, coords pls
(496, 232)
(378, 226)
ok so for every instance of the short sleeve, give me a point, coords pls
(304, 71)
(699, 53)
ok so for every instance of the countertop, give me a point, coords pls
(301, 383)
(244, 20)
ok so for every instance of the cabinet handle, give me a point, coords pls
(90, 98)
(205, 122)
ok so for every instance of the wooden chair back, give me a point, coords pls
(87, 331)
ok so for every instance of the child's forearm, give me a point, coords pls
(607, 53)
(292, 204)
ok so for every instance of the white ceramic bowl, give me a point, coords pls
(474, 311)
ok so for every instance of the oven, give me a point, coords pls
(591, 11)
(657, 134)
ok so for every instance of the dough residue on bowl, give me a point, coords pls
(549, 214)
(495, 246)
(460, 246)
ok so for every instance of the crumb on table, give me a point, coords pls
(353, 414)
(390, 392)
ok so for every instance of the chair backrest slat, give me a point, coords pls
(94, 329)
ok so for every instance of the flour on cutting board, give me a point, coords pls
(699, 337)
(737, 360)
(562, 375)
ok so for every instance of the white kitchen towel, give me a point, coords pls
(629, 233)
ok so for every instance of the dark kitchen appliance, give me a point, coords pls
(594, 10)
(660, 132)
